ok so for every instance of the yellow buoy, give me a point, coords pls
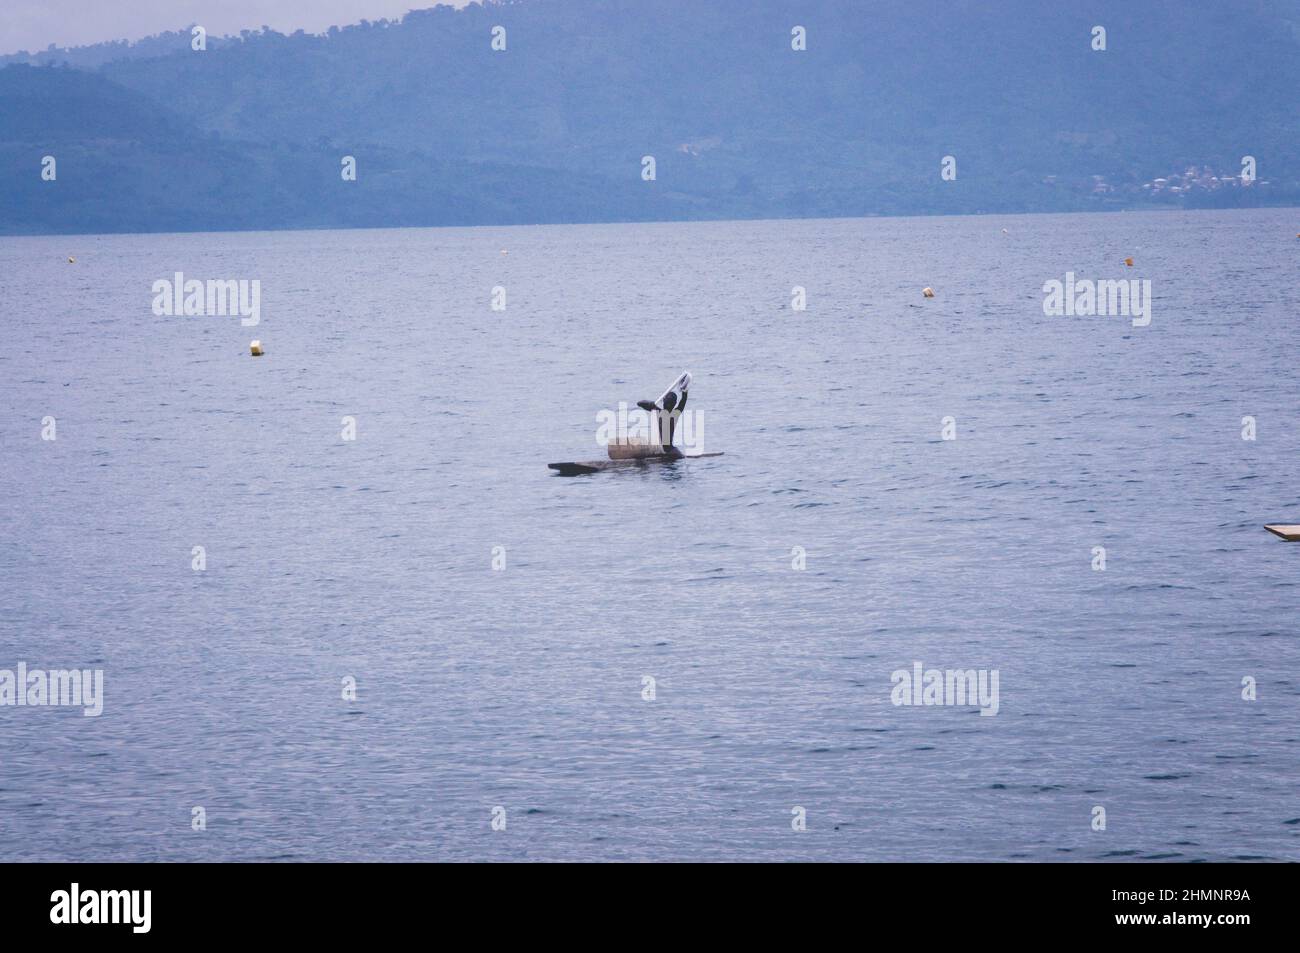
(1129, 262)
(255, 349)
(928, 292)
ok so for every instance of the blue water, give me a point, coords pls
(522, 688)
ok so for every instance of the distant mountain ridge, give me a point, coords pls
(445, 130)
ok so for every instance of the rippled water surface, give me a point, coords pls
(523, 687)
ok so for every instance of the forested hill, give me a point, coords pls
(250, 132)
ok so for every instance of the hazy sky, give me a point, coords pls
(34, 24)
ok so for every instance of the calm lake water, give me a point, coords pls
(522, 687)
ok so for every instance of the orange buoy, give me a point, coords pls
(1129, 262)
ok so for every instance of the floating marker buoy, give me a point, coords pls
(1129, 262)
(504, 252)
(928, 292)
(255, 349)
(1005, 232)
(1291, 533)
(73, 261)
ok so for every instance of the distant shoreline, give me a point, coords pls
(1154, 207)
